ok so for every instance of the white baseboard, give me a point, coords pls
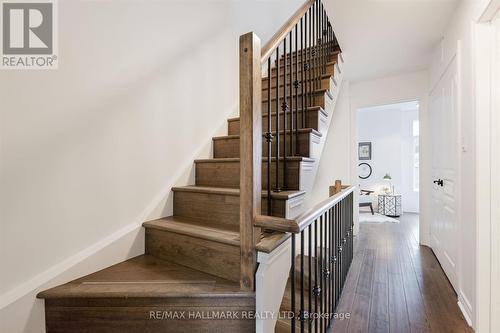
(465, 307)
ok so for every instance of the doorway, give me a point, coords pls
(389, 161)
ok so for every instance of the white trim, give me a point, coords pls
(465, 307)
(459, 150)
(495, 182)
(488, 11)
(487, 104)
(270, 283)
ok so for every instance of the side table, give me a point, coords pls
(389, 204)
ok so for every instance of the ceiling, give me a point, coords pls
(386, 37)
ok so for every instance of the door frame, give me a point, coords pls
(487, 104)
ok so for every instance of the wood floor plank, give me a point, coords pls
(361, 304)
(379, 309)
(409, 291)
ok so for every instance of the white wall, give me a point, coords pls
(461, 32)
(91, 150)
(339, 159)
(389, 129)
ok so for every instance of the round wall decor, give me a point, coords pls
(364, 170)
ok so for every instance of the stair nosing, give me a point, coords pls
(235, 191)
(264, 159)
(117, 295)
(315, 92)
(322, 76)
(328, 63)
(153, 224)
(308, 109)
(302, 130)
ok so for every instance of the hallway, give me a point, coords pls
(395, 285)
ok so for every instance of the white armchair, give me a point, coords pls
(366, 200)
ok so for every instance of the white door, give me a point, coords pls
(444, 226)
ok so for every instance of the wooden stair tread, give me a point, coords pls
(328, 63)
(313, 92)
(146, 277)
(264, 159)
(273, 77)
(273, 113)
(332, 53)
(270, 241)
(301, 130)
(190, 227)
(284, 195)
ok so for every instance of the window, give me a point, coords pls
(416, 156)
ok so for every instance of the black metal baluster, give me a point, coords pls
(310, 62)
(321, 45)
(313, 50)
(277, 111)
(327, 38)
(342, 232)
(290, 93)
(316, 48)
(269, 137)
(341, 248)
(327, 271)
(303, 45)
(346, 255)
(296, 85)
(317, 289)
(352, 227)
(318, 37)
(327, 266)
(323, 41)
(302, 286)
(349, 243)
(313, 54)
(284, 108)
(310, 286)
(292, 280)
(337, 250)
(331, 262)
(328, 35)
(334, 257)
(321, 273)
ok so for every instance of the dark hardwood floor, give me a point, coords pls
(396, 285)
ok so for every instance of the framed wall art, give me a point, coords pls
(365, 151)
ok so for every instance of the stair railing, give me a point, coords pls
(303, 44)
(325, 235)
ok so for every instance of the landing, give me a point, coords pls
(145, 276)
(395, 285)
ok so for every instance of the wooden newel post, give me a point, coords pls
(250, 154)
(336, 188)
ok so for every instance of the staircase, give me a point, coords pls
(190, 276)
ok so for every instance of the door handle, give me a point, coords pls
(439, 182)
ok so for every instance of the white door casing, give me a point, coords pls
(445, 224)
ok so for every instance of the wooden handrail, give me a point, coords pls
(275, 41)
(303, 221)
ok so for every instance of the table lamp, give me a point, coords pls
(388, 178)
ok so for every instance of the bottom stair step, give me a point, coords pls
(207, 249)
(147, 294)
